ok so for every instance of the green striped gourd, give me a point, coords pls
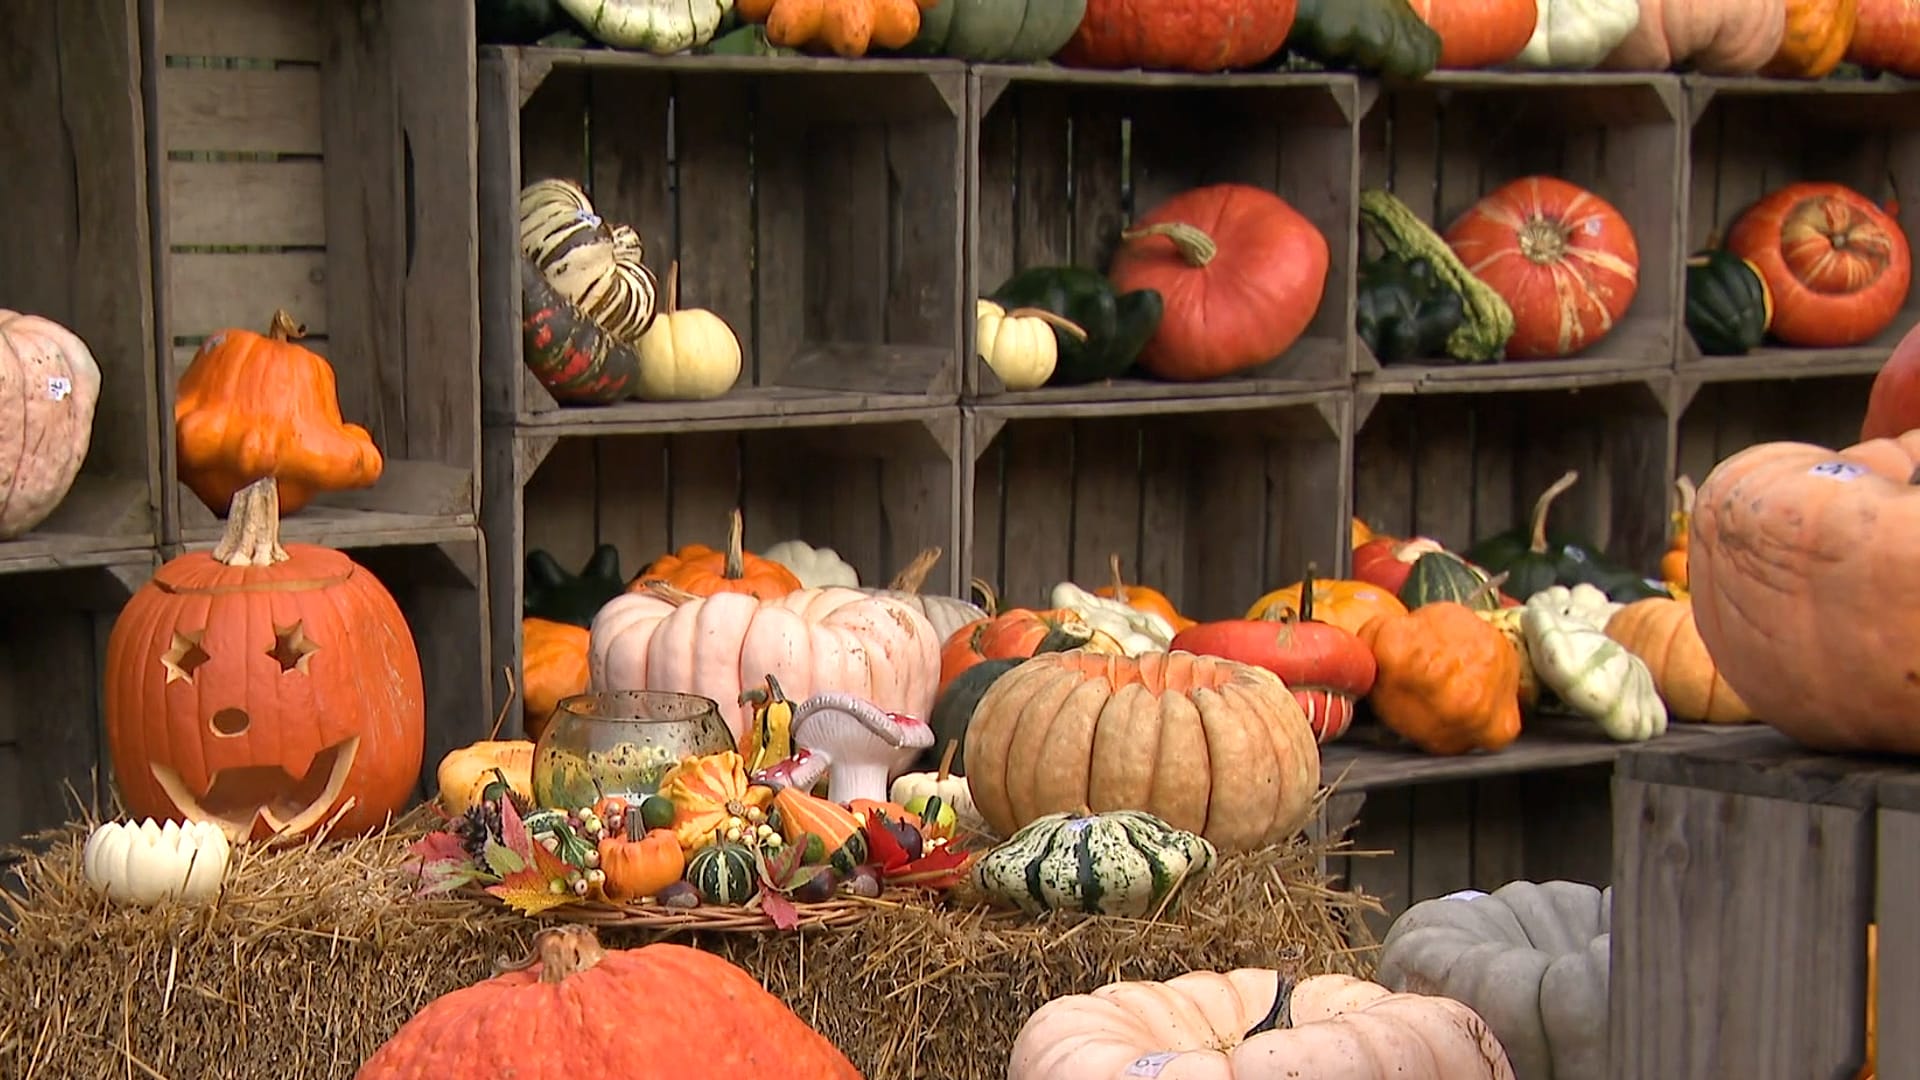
(1443, 576)
(724, 873)
(1124, 862)
(593, 264)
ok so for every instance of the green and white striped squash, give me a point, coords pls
(661, 27)
(596, 266)
(1440, 576)
(724, 873)
(1124, 862)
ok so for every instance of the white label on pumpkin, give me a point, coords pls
(1080, 824)
(1151, 1065)
(1843, 471)
(58, 387)
(1464, 894)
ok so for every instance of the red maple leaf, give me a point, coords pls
(441, 862)
(939, 867)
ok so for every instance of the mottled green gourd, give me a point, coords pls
(1443, 577)
(724, 873)
(1729, 306)
(1125, 862)
(1482, 335)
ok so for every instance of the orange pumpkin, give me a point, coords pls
(1886, 37)
(702, 571)
(1893, 405)
(264, 687)
(637, 869)
(1816, 38)
(1673, 564)
(574, 988)
(1799, 571)
(1662, 634)
(1562, 257)
(553, 665)
(1479, 33)
(844, 27)
(1838, 265)
(1348, 605)
(1203, 36)
(1141, 597)
(711, 794)
(253, 406)
(1014, 635)
(1360, 532)
(1449, 681)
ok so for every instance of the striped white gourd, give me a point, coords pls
(1124, 862)
(597, 267)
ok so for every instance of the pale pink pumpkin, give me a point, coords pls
(49, 385)
(813, 640)
(1713, 37)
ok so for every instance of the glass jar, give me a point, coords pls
(621, 742)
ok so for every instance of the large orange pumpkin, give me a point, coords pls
(1816, 38)
(251, 406)
(1893, 406)
(49, 384)
(1207, 745)
(262, 687)
(577, 998)
(1735, 37)
(1479, 33)
(1799, 571)
(553, 665)
(1202, 36)
(1562, 257)
(1838, 265)
(1661, 632)
(1240, 271)
(1348, 605)
(704, 571)
(1886, 37)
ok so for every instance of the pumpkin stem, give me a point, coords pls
(660, 590)
(1543, 241)
(914, 576)
(1687, 495)
(1058, 322)
(990, 600)
(673, 286)
(1487, 588)
(561, 951)
(946, 760)
(1306, 594)
(1083, 811)
(513, 691)
(736, 564)
(1537, 543)
(252, 536)
(1119, 582)
(1193, 244)
(283, 328)
(1280, 1017)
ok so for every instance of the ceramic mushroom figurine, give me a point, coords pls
(863, 744)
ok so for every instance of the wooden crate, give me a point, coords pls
(879, 488)
(1443, 143)
(1897, 910)
(73, 248)
(816, 205)
(319, 156)
(1214, 500)
(1754, 136)
(1065, 159)
(1723, 417)
(1744, 878)
(1459, 467)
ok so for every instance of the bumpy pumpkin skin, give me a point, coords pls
(1794, 552)
(1198, 35)
(1816, 38)
(580, 999)
(49, 385)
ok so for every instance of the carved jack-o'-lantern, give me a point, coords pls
(264, 688)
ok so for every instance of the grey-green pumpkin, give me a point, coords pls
(724, 872)
(1014, 31)
(1124, 862)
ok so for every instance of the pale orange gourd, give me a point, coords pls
(1712, 37)
(1661, 633)
(710, 794)
(1206, 744)
(1348, 605)
(252, 406)
(1449, 682)
(1816, 38)
(847, 27)
(1141, 597)
(1799, 567)
(553, 665)
(1360, 532)
(467, 770)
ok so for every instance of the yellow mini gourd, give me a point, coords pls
(689, 354)
(1019, 345)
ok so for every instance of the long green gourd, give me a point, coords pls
(1483, 335)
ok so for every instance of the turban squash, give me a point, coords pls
(1838, 266)
(1794, 551)
(49, 385)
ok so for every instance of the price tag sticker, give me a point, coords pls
(1151, 1065)
(1843, 471)
(58, 387)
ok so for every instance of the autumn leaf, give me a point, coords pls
(530, 892)
(513, 832)
(442, 864)
(939, 870)
(781, 910)
(503, 860)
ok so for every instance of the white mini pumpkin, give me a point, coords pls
(817, 568)
(149, 862)
(689, 354)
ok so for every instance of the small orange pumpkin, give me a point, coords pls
(865, 809)
(1673, 564)
(253, 406)
(553, 665)
(637, 869)
(1661, 633)
(1141, 597)
(1348, 605)
(711, 794)
(1817, 35)
(1360, 532)
(1016, 635)
(1449, 682)
(703, 571)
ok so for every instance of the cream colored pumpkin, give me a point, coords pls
(689, 354)
(1575, 35)
(947, 613)
(1020, 345)
(49, 385)
(1255, 1024)
(817, 568)
(812, 640)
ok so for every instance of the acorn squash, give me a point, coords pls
(1441, 576)
(554, 594)
(953, 710)
(998, 31)
(1729, 306)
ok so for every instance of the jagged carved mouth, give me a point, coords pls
(240, 800)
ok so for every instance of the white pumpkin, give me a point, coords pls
(146, 863)
(947, 613)
(688, 354)
(49, 385)
(661, 27)
(1019, 345)
(1530, 958)
(817, 568)
(909, 788)
(1137, 631)
(1592, 673)
(1576, 35)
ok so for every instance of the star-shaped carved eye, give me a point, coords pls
(291, 647)
(184, 656)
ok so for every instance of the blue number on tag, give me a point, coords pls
(1837, 470)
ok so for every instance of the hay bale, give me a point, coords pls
(316, 954)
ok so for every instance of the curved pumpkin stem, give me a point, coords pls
(736, 558)
(946, 760)
(1058, 322)
(1196, 248)
(1306, 594)
(1537, 543)
(914, 576)
(1487, 588)
(560, 951)
(252, 536)
(1119, 582)
(1280, 1017)
(284, 328)
(990, 600)
(660, 590)
(1688, 493)
(673, 287)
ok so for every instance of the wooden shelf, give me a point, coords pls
(742, 407)
(1545, 744)
(1510, 376)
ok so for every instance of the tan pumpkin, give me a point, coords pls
(467, 770)
(1255, 1024)
(1712, 37)
(49, 384)
(1661, 633)
(1799, 569)
(811, 640)
(1205, 744)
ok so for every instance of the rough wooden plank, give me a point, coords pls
(1382, 863)
(1763, 763)
(497, 113)
(629, 476)
(917, 503)
(927, 302)
(1701, 878)
(241, 110)
(1104, 520)
(246, 203)
(283, 30)
(1897, 912)
(1037, 483)
(753, 282)
(704, 471)
(1568, 824)
(1371, 759)
(209, 293)
(561, 506)
(49, 679)
(1442, 841)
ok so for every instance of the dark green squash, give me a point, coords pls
(725, 873)
(953, 711)
(552, 593)
(1442, 576)
(577, 361)
(1535, 562)
(1380, 37)
(998, 31)
(1117, 326)
(518, 22)
(1403, 311)
(1729, 306)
